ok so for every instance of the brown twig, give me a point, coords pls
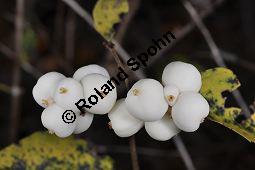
(214, 50)
(134, 157)
(122, 53)
(16, 78)
(110, 47)
(133, 152)
(134, 5)
(183, 32)
(86, 16)
(119, 37)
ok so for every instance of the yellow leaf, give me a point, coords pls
(45, 151)
(107, 13)
(215, 81)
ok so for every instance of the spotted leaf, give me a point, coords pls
(107, 13)
(216, 81)
(45, 151)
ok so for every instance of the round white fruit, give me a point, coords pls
(189, 111)
(183, 75)
(122, 122)
(68, 92)
(146, 101)
(52, 120)
(99, 105)
(83, 122)
(45, 87)
(171, 93)
(90, 69)
(163, 129)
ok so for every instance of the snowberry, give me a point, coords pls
(100, 93)
(122, 122)
(83, 122)
(189, 111)
(171, 93)
(90, 69)
(145, 100)
(68, 92)
(183, 75)
(44, 89)
(52, 120)
(163, 129)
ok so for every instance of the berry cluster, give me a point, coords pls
(164, 110)
(57, 93)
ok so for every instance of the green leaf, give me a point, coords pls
(45, 151)
(216, 81)
(107, 13)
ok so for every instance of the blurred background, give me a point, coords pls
(54, 38)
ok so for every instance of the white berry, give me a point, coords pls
(183, 75)
(146, 101)
(122, 122)
(52, 120)
(171, 93)
(163, 129)
(189, 111)
(90, 69)
(68, 92)
(108, 93)
(83, 122)
(45, 87)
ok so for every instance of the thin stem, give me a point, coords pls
(184, 153)
(110, 47)
(183, 32)
(121, 51)
(16, 77)
(214, 50)
(80, 11)
(86, 16)
(134, 5)
(133, 151)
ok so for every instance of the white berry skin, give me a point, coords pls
(163, 129)
(90, 69)
(68, 92)
(83, 122)
(45, 87)
(146, 101)
(171, 93)
(104, 105)
(183, 75)
(189, 111)
(52, 120)
(122, 122)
